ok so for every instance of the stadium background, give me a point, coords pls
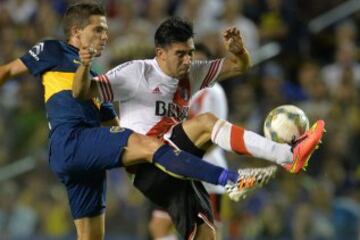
(306, 53)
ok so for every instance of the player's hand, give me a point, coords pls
(86, 54)
(233, 41)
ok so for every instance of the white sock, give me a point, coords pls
(254, 144)
(264, 148)
(221, 134)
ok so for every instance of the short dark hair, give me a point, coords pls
(172, 30)
(79, 14)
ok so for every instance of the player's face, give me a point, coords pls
(95, 34)
(178, 57)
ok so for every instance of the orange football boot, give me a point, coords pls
(304, 146)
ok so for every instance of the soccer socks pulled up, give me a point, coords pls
(233, 138)
(181, 163)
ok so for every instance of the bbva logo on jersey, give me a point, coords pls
(170, 109)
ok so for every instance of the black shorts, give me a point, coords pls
(186, 201)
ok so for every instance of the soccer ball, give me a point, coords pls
(285, 123)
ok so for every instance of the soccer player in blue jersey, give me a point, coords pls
(80, 149)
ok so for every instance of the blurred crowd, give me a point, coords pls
(317, 71)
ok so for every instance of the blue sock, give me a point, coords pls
(188, 165)
(227, 176)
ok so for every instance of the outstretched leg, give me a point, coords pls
(205, 129)
(177, 163)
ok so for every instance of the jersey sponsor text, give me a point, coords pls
(170, 109)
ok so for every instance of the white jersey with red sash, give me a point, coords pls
(151, 102)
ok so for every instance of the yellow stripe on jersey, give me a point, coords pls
(55, 82)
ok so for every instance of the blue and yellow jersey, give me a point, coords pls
(56, 62)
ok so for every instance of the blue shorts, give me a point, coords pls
(80, 158)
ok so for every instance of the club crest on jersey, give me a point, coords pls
(170, 109)
(117, 129)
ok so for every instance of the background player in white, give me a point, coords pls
(211, 100)
(154, 96)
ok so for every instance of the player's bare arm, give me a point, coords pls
(238, 59)
(12, 69)
(82, 80)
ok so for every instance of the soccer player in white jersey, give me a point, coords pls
(211, 100)
(154, 99)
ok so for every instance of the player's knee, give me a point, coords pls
(92, 236)
(147, 145)
(153, 227)
(206, 121)
(205, 232)
(89, 229)
(159, 227)
(151, 144)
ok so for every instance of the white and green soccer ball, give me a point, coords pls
(285, 123)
